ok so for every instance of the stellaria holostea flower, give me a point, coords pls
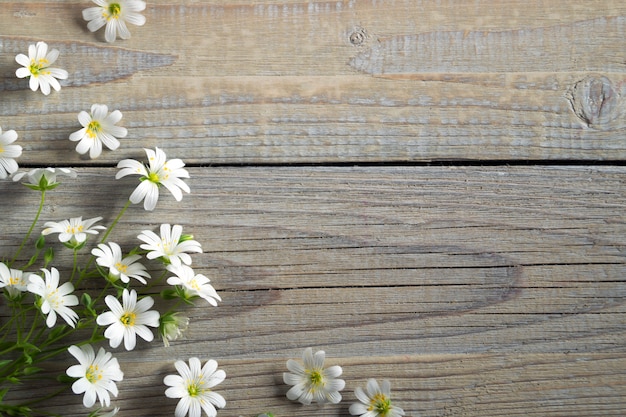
(54, 299)
(194, 386)
(14, 281)
(311, 382)
(37, 66)
(376, 402)
(43, 178)
(97, 375)
(193, 284)
(159, 171)
(73, 232)
(110, 256)
(171, 247)
(8, 153)
(114, 14)
(128, 319)
(98, 129)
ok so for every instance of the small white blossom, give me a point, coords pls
(312, 382)
(194, 284)
(172, 246)
(14, 281)
(54, 299)
(37, 66)
(97, 375)
(194, 386)
(376, 402)
(114, 14)
(159, 171)
(110, 256)
(98, 129)
(8, 153)
(43, 178)
(73, 231)
(129, 319)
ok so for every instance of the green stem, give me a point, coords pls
(117, 219)
(74, 266)
(32, 227)
(154, 282)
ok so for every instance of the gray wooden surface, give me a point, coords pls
(431, 192)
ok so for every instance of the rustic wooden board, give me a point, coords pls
(233, 82)
(476, 290)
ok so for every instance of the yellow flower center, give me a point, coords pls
(36, 67)
(93, 374)
(93, 128)
(315, 378)
(154, 177)
(195, 388)
(381, 404)
(14, 280)
(121, 267)
(128, 319)
(74, 229)
(114, 10)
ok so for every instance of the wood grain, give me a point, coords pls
(494, 291)
(261, 82)
(477, 291)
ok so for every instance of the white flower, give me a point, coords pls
(54, 299)
(98, 129)
(110, 256)
(43, 178)
(312, 382)
(8, 153)
(159, 172)
(13, 280)
(129, 319)
(376, 402)
(114, 14)
(37, 66)
(171, 246)
(193, 387)
(194, 284)
(73, 231)
(97, 375)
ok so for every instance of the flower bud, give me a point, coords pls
(48, 256)
(172, 326)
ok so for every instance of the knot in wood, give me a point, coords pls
(595, 100)
(358, 36)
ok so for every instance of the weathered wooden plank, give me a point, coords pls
(258, 82)
(496, 385)
(447, 260)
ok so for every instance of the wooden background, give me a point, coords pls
(430, 191)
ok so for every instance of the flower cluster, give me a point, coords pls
(121, 312)
(53, 312)
(311, 382)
